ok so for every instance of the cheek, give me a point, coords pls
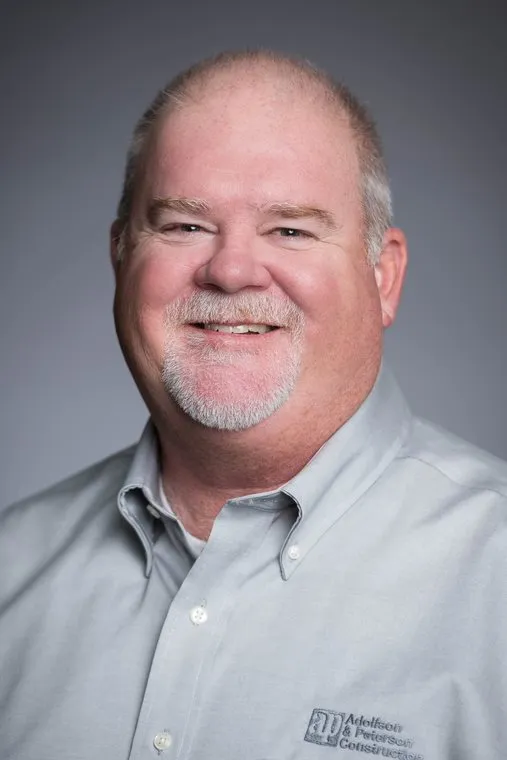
(148, 286)
(160, 279)
(341, 307)
(326, 290)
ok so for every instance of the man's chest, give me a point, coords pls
(360, 654)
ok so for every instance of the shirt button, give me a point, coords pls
(162, 741)
(294, 552)
(198, 615)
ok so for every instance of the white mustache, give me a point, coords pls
(205, 307)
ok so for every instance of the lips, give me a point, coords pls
(258, 329)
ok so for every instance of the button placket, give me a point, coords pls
(185, 651)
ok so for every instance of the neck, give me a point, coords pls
(203, 468)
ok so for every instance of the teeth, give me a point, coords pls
(238, 328)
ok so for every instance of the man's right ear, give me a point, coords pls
(115, 234)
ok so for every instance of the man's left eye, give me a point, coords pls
(292, 232)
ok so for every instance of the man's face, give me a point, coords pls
(248, 294)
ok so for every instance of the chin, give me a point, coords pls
(227, 411)
(229, 397)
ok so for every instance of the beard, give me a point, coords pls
(231, 389)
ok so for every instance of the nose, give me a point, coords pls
(232, 266)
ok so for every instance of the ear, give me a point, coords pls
(114, 244)
(390, 273)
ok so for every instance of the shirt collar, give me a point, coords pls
(140, 490)
(355, 456)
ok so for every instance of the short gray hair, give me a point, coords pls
(374, 182)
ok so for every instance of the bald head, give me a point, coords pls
(272, 79)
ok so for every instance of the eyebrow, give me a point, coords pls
(182, 205)
(295, 211)
(197, 207)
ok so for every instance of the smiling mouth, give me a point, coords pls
(236, 329)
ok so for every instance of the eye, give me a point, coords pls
(181, 227)
(292, 232)
(292, 238)
(183, 233)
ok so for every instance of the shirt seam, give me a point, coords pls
(453, 480)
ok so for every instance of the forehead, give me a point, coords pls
(264, 136)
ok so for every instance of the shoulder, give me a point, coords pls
(458, 487)
(455, 460)
(95, 482)
(461, 494)
(49, 518)
(454, 494)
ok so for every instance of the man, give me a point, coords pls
(288, 565)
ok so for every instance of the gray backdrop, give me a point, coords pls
(76, 75)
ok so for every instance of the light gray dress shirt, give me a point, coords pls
(359, 611)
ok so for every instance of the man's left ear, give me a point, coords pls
(390, 273)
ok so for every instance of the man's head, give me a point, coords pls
(255, 200)
(304, 79)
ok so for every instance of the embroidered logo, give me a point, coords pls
(371, 735)
(324, 727)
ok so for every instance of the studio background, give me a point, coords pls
(74, 78)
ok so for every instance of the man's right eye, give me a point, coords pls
(181, 227)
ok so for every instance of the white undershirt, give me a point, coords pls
(194, 545)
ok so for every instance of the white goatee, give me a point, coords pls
(190, 368)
